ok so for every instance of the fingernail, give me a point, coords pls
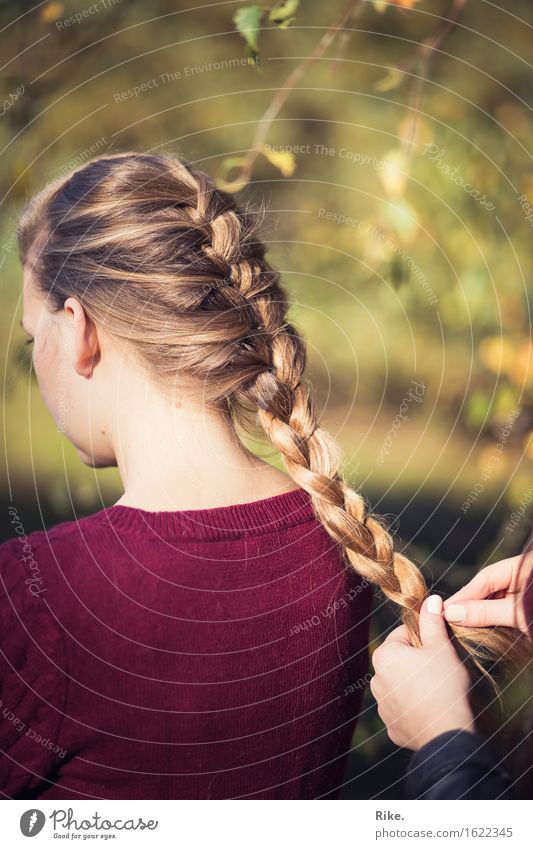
(434, 604)
(455, 613)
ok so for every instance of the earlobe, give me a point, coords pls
(89, 357)
(84, 337)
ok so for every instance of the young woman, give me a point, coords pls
(206, 636)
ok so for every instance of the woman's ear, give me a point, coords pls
(83, 338)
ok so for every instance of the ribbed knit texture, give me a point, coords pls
(215, 653)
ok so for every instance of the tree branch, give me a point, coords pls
(424, 58)
(279, 99)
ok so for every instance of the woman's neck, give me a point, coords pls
(187, 458)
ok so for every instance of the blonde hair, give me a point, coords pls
(161, 257)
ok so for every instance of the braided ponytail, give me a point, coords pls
(287, 416)
(198, 298)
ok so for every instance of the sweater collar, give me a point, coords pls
(251, 518)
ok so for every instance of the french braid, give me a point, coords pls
(155, 251)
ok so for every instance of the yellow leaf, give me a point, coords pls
(405, 4)
(521, 369)
(491, 462)
(283, 160)
(496, 353)
(422, 135)
(511, 356)
(390, 81)
(402, 220)
(393, 174)
(51, 12)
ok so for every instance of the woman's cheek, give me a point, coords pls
(47, 373)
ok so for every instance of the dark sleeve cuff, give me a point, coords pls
(456, 765)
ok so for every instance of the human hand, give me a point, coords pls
(492, 597)
(421, 692)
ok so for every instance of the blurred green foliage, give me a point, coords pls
(397, 272)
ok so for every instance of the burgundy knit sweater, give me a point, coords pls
(215, 653)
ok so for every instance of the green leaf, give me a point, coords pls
(284, 14)
(477, 408)
(398, 272)
(402, 219)
(230, 163)
(248, 22)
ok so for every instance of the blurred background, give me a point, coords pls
(391, 145)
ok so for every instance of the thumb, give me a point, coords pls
(483, 613)
(432, 623)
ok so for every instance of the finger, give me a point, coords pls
(432, 626)
(375, 688)
(399, 635)
(388, 655)
(481, 614)
(396, 638)
(496, 576)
